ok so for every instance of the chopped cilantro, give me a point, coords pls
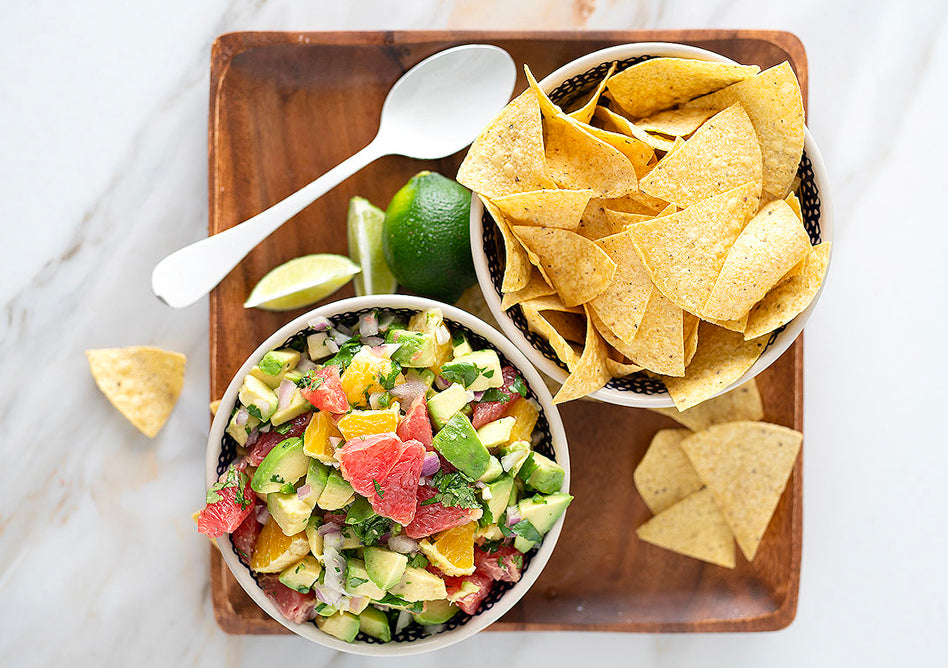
(518, 560)
(346, 352)
(504, 529)
(277, 478)
(388, 380)
(355, 582)
(519, 386)
(370, 529)
(487, 518)
(464, 373)
(495, 394)
(538, 498)
(270, 365)
(385, 400)
(526, 530)
(253, 410)
(399, 602)
(234, 478)
(378, 488)
(418, 561)
(310, 381)
(490, 546)
(283, 428)
(455, 490)
(528, 467)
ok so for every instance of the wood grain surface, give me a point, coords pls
(284, 108)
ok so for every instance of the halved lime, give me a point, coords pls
(365, 248)
(301, 282)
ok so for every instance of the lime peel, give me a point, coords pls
(302, 281)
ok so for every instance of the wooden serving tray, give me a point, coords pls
(284, 108)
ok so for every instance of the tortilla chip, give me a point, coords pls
(789, 299)
(576, 267)
(665, 475)
(633, 204)
(684, 252)
(741, 403)
(595, 224)
(546, 208)
(620, 220)
(535, 287)
(767, 248)
(667, 211)
(571, 326)
(638, 152)
(621, 306)
(142, 382)
(693, 527)
(722, 358)
(614, 122)
(585, 113)
(659, 342)
(590, 373)
(746, 466)
(794, 204)
(539, 324)
(774, 103)
(213, 406)
(675, 122)
(516, 263)
(736, 325)
(661, 83)
(723, 154)
(508, 156)
(690, 328)
(619, 369)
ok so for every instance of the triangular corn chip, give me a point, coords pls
(574, 265)
(535, 287)
(517, 263)
(546, 208)
(617, 123)
(585, 113)
(590, 373)
(741, 403)
(621, 306)
(665, 475)
(693, 527)
(746, 466)
(675, 122)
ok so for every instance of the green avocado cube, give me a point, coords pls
(373, 622)
(385, 567)
(358, 582)
(494, 470)
(539, 513)
(289, 511)
(545, 475)
(302, 575)
(497, 496)
(297, 406)
(342, 625)
(436, 612)
(458, 443)
(274, 365)
(417, 584)
(337, 493)
(316, 478)
(241, 433)
(283, 466)
(460, 344)
(445, 404)
(477, 371)
(497, 432)
(259, 399)
(416, 349)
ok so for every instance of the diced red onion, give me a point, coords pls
(356, 603)
(305, 365)
(510, 460)
(241, 419)
(264, 428)
(513, 515)
(332, 346)
(368, 325)
(442, 335)
(319, 323)
(373, 341)
(375, 400)
(441, 382)
(263, 515)
(334, 441)
(252, 437)
(470, 396)
(385, 321)
(404, 619)
(409, 392)
(328, 596)
(479, 395)
(335, 566)
(433, 629)
(329, 527)
(345, 331)
(402, 543)
(431, 464)
(339, 338)
(285, 393)
(303, 491)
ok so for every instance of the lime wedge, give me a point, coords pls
(301, 282)
(365, 248)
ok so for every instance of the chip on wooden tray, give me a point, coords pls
(746, 466)
(142, 382)
(741, 403)
(665, 475)
(694, 527)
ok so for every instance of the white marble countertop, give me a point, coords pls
(103, 171)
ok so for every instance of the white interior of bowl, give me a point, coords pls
(624, 397)
(538, 561)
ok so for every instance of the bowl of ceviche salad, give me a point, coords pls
(386, 475)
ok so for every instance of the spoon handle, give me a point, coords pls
(189, 273)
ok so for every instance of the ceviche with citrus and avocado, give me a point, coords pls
(386, 476)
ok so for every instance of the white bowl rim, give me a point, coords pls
(623, 397)
(558, 438)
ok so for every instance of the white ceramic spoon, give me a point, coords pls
(437, 108)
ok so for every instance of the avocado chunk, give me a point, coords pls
(444, 405)
(385, 568)
(494, 470)
(417, 584)
(313, 537)
(497, 432)
(514, 456)
(274, 365)
(458, 443)
(260, 400)
(317, 345)
(358, 604)
(460, 344)
(541, 512)
(358, 582)
(302, 575)
(373, 622)
(436, 612)
(416, 349)
(542, 474)
(297, 406)
(336, 494)
(477, 371)
(424, 376)
(499, 493)
(294, 376)
(241, 433)
(316, 478)
(289, 511)
(281, 468)
(343, 625)
(324, 609)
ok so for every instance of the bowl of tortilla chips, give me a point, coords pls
(651, 223)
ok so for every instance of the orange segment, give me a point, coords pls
(364, 423)
(275, 551)
(361, 378)
(453, 550)
(316, 437)
(526, 414)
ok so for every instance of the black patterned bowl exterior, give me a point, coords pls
(572, 92)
